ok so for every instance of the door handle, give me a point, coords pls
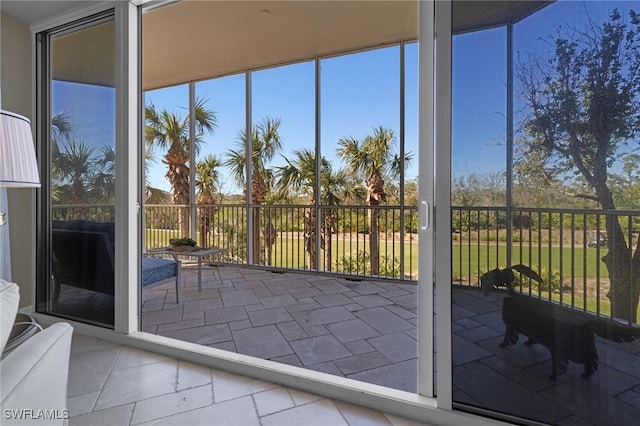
(426, 216)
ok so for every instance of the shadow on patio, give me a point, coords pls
(366, 330)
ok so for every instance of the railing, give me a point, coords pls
(93, 212)
(565, 247)
(285, 237)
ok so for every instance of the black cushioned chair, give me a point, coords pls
(83, 257)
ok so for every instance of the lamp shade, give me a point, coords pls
(18, 165)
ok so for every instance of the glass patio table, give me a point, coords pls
(197, 252)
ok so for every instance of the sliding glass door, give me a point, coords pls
(545, 229)
(76, 258)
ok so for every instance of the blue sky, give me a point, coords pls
(358, 91)
(479, 78)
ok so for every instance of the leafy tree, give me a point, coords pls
(266, 143)
(626, 185)
(486, 189)
(584, 104)
(170, 130)
(373, 160)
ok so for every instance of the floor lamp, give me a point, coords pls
(18, 169)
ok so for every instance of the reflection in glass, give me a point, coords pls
(82, 174)
(546, 310)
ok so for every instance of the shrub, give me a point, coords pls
(360, 263)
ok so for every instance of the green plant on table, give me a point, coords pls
(180, 242)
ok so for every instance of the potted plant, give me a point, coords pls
(182, 244)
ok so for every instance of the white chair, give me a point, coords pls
(34, 376)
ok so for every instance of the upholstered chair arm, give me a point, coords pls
(34, 377)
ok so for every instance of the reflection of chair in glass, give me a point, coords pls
(82, 259)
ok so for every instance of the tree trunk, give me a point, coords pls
(374, 238)
(375, 195)
(310, 235)
(259, 192)
(328, 249)
(178, 176)
(256, 235)
(622, 264)
(205, 213)
(270, 235)
(204, 226)
(624, 273)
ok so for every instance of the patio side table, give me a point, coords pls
(198, 252)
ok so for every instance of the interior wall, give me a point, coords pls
(16, 96)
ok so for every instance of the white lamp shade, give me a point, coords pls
(18, 165)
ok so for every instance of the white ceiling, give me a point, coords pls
(198, 39)
(193, 40)
(31, 11)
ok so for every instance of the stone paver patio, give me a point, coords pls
(358, 329)
(366, 330)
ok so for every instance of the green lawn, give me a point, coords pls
(469, 261)
(478, 258)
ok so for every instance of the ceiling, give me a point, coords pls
(197, 39)
(224, 37)
(31, 11)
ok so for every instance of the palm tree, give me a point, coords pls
(152, 195)
(77, 166)
(102, 184)
(372, 160)
(336, 187)
(266, 143)
(61, 133)
(300, 175)
(207, 178)
(170, 131)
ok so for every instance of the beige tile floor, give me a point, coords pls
(111, 384)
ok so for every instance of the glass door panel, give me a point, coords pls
(80, 173)
(545, 242)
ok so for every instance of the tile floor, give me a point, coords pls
(363, 330)
(333, 325)
(366, 331)
(111, 384)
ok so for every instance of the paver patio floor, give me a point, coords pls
(366, 330)
(360, 329)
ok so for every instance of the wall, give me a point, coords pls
(16, 95)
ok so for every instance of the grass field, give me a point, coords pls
(469, 259)
(475, 259)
